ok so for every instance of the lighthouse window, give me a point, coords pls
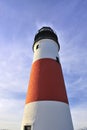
(57, 59)
(37, 47)
(27, 127)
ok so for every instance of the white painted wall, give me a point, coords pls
(48, 115)
(47, 49)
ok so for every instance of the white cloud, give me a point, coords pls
(13, 112)
(73, 61)
(79, 116)
(15, 64)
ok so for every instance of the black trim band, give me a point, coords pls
(46, 33)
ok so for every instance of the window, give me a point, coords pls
(27, 127)
(57, 59)
(37, 47)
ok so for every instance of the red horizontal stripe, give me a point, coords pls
(46, 82)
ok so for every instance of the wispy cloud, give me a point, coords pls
(73, 59)
(14, 71)
(12, 111)
(14, 66)
(79, 116)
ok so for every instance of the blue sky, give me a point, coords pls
(19, 22)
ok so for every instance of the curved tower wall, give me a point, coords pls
(46, 106)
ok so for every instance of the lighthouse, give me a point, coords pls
(46, 105)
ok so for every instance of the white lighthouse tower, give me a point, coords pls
(46, 106)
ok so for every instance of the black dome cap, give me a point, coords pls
(46, 33)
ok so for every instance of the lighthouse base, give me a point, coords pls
(47, 115)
